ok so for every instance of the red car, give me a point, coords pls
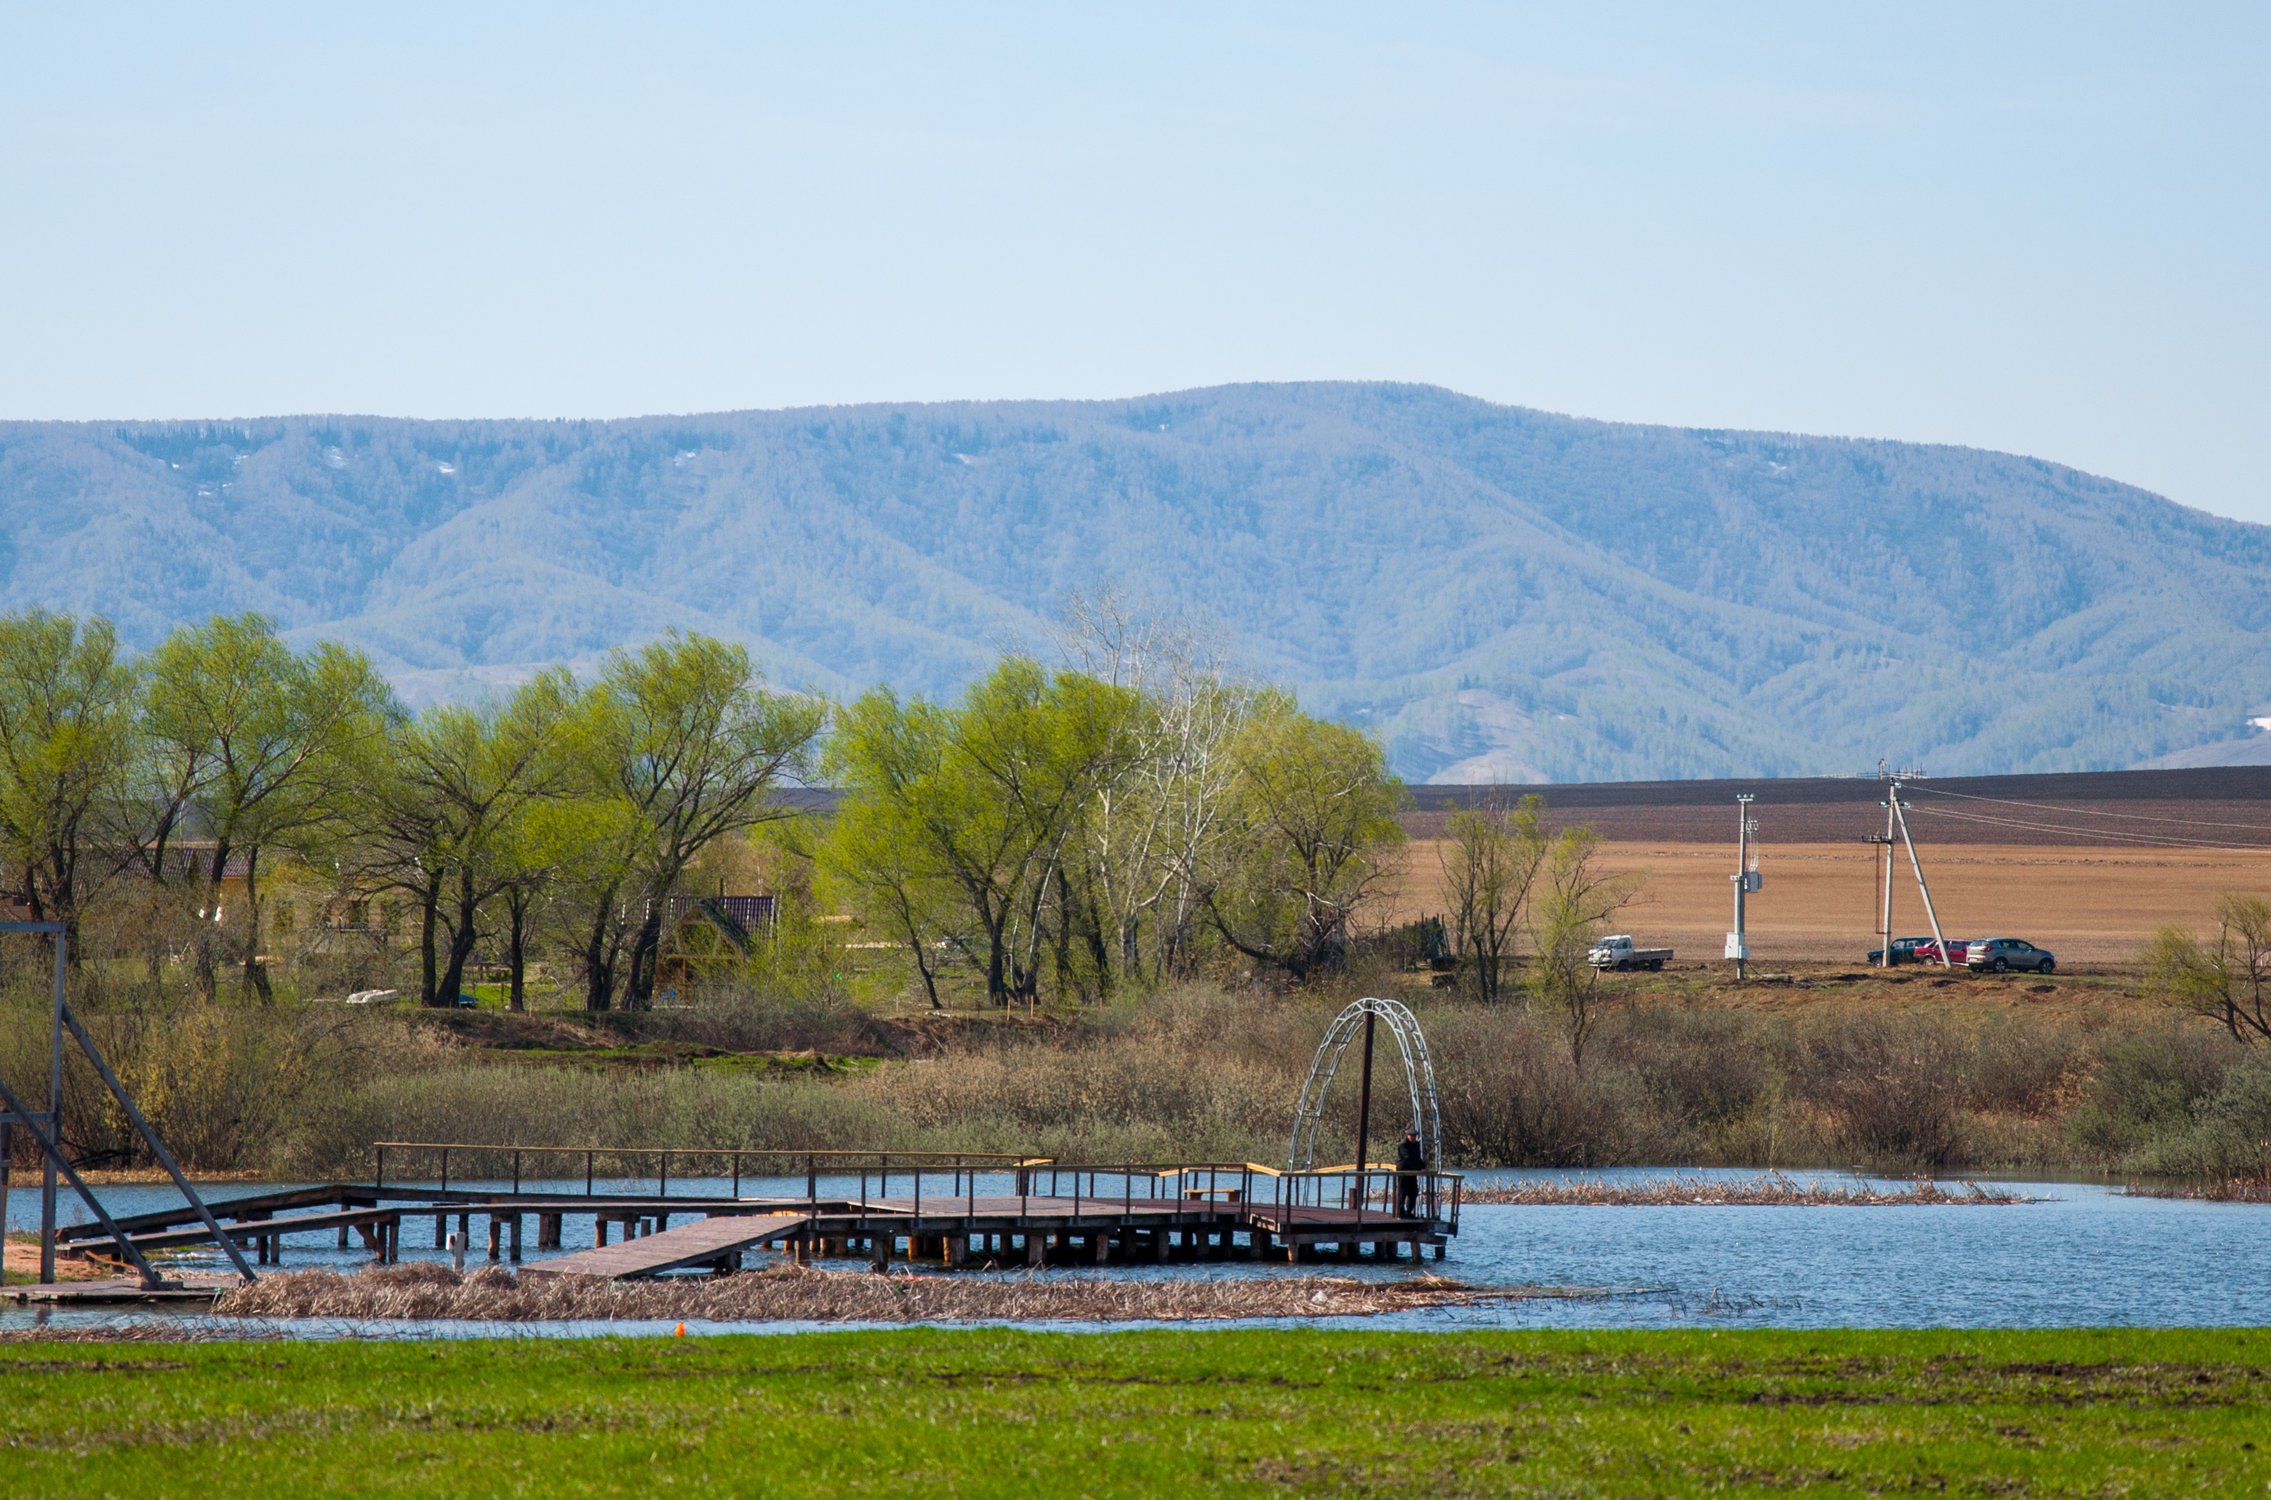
(1928, 951)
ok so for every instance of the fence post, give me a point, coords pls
(516, 1172)
(445, 1169)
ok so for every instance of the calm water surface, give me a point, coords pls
(2083, 1255)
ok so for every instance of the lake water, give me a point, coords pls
(2083, 1255)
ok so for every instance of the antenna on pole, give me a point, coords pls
(1746, 879)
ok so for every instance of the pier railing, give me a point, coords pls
(1368, 1192)
(493, 1163)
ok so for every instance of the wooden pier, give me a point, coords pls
(876, 1206)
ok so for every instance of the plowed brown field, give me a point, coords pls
(2090, 906)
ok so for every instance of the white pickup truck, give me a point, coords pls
(1617, 952)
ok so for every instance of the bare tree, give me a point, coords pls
(1491, 857)
(1575, 901)
(1155, 827)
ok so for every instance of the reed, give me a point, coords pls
(2226, 1190)
(1769, 1190)
(790, 1293)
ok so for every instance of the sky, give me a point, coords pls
(2037, 228)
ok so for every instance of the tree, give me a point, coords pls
(66, 734)
(595, 845)
(459, 783)
(2230, 982)
(1155, 828)
(254, 746)
(1491, 857)
(684, 735)
(879, 857)
(1312, 815)
(963, 818)
(1576, 898)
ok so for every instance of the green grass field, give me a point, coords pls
(1304, 1412)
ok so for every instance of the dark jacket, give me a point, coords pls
(1410, 1157)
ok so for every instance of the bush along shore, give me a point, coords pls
(789, 1293)
(1772, 1190)
(1678, 1068)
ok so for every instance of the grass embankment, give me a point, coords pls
(991, 1412)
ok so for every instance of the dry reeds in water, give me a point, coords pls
(2229, 1190)
(1769, 1190)
(789, 1293)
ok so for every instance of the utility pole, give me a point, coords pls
(1746, 881)
(1939, 941)
(1883, 872)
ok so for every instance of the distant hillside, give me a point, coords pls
(1503, 594)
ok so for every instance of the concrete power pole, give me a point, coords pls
(1746, 881)
(1924, 888)
(1884, 874)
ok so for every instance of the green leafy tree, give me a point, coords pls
(883, 856)
(2228, 981)
(67, 700)
(1312, 824)
(254, 747)
(684, 736)
(961, 819)
(459, 783)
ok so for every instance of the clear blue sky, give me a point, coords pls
(2030, 227)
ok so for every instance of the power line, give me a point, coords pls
(2149, 840)
(2090, 813)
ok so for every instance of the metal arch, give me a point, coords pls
(1419, 1080)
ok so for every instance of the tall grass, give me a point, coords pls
(1199, 1072)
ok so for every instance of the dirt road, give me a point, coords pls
(2090, 906)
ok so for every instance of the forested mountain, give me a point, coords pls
(1500, 593)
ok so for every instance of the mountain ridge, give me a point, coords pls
(1504, 594)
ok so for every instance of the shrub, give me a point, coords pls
(1892, 1086)
(2148, 1084)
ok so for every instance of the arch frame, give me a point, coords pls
(1419, 1079)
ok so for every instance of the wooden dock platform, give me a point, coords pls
(714, 1243)
(876, 1206)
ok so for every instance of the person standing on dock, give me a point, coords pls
(1411, 1160)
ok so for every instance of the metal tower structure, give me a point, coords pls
(1419, 1082)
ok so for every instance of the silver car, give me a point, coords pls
(2000, 955)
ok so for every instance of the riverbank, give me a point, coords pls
(990, 1411)
(796, 1294)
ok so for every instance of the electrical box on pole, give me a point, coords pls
(1746, 881)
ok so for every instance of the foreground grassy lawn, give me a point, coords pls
(986, 1412)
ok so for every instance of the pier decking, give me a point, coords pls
(714, 1243)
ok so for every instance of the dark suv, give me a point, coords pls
(1998, 955)
(1904, 950)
